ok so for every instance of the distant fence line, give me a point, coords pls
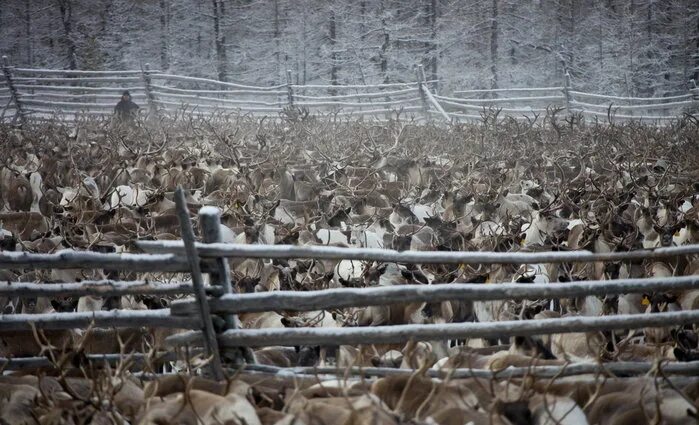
(43, 94)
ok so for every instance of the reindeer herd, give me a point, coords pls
(503, 186)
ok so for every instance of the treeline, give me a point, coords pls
(635, 48)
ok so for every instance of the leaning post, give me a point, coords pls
(7, 71)
(210, 340)
(210, 222)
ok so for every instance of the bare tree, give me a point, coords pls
(494, 44)
(332, 36)
(164, 34)
(220, 40)
(66, 9)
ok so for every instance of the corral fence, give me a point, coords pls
(211, 315)
(47, 94)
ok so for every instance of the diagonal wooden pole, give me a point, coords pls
(198, 284)
(210, 225)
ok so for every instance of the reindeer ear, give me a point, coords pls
(287, 323)
(407, 274)
(420, 277)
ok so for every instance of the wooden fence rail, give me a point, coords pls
(41, 94)
(433, 332)
(363, 297)
(218, 304)
(604, 369)
(99, 288)
(69, 259)
(415, 257)
(103, 319)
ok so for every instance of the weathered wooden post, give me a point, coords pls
(289, 88)
(427, 97)
(150, 97)
(694, 90)
(210, 341)
(210, 222)
(420, 75)
(566, 91)
(7, 71)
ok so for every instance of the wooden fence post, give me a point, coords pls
(427, 97)
(210, 222)
(566, 91)
(210, 341)
(289, 89)
(150, 97)
(420, 74)
(694, 90)
(6, 70)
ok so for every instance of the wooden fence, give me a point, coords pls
(45, 94)
(212, 313)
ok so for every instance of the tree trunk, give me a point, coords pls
(66, 9)
(164, 34)
(494, 44)
(277, 44)
(333, 50)
(220, 41)
(696, 59)
(28, 29)
(362, 20)
(433, 35)
(383, 55)
(304, 18)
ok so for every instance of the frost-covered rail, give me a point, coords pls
(104, 319)
(417, 257)
(70, 259)
(402, 333)
(363, 297)
(573, 369)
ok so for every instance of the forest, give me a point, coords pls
(629, 48)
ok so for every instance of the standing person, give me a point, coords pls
(126, 109)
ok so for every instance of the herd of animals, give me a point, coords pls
(502, 186)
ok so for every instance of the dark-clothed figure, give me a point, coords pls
(126, 109)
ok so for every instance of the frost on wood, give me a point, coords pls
(69, 259)
(108, 319)
(416, 257)
(362, 297)
(402, 333)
